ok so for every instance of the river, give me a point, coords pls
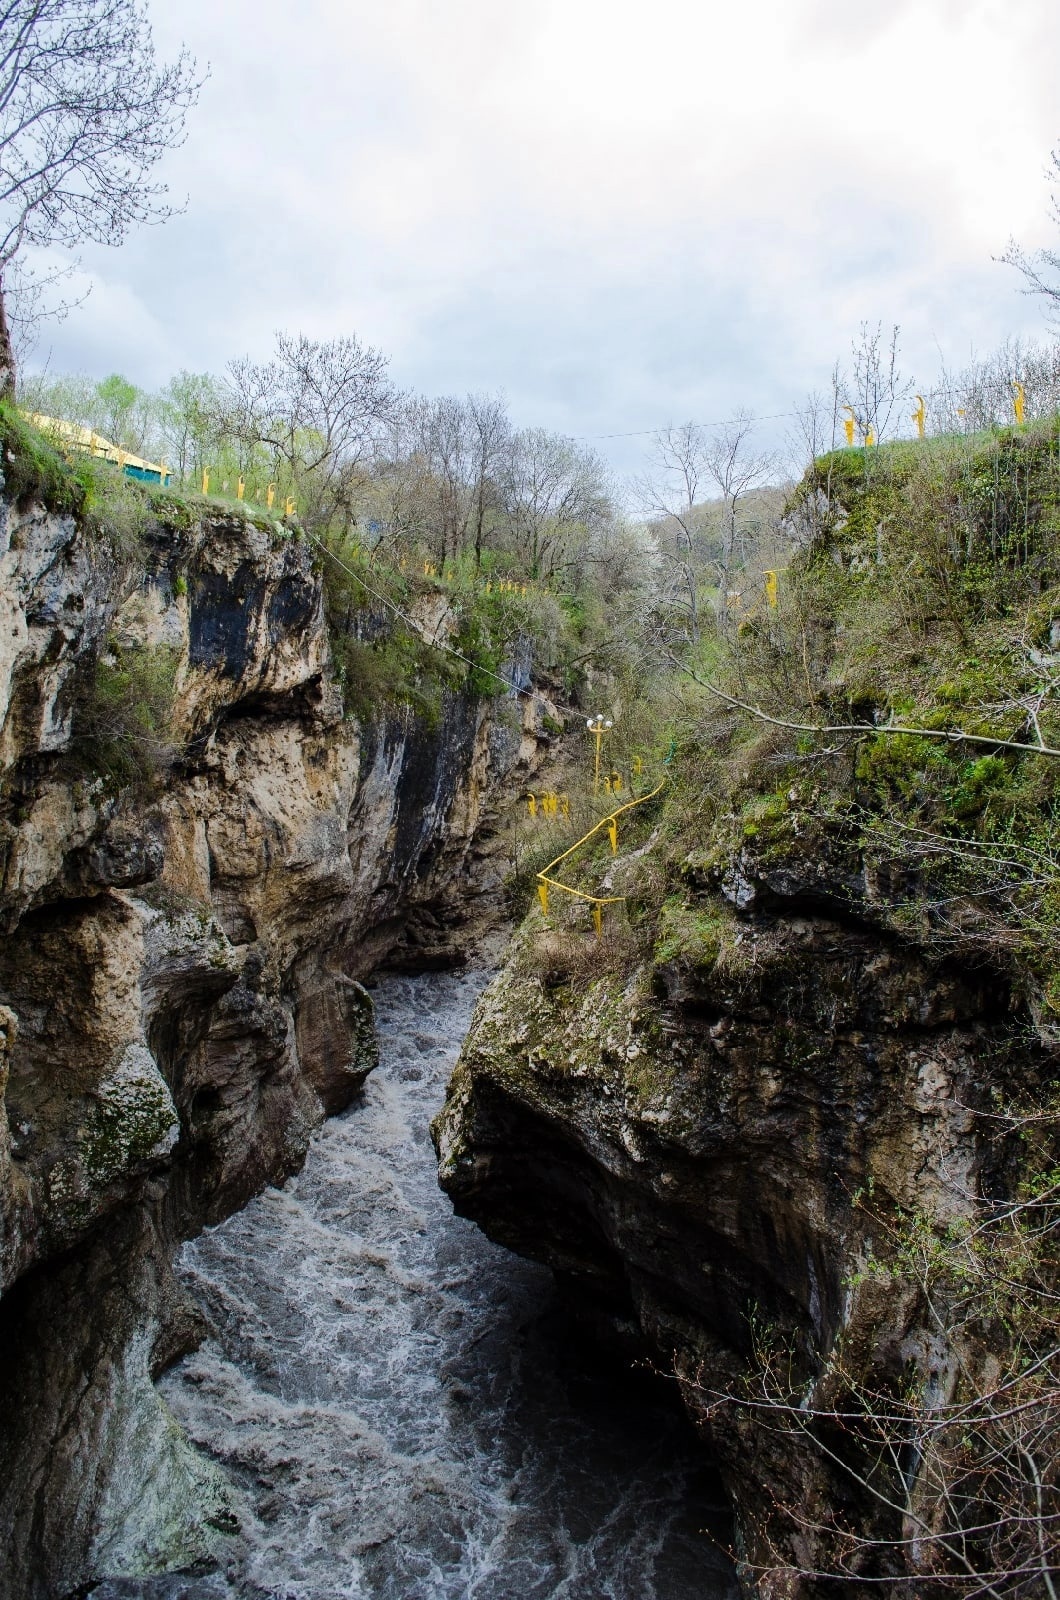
(399, 1404)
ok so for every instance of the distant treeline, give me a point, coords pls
(441, 480)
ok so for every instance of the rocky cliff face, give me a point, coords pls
(180, 969)
(687, 1139)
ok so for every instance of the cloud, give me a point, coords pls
(617, 214)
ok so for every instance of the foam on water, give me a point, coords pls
(398, 1402)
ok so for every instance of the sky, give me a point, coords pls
(619, 216)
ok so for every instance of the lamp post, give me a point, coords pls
(598, 726)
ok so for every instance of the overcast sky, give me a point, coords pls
(619, 215)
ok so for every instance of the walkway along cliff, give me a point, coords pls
(201, 856)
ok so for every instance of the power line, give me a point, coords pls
(719, 422)
(421, 633)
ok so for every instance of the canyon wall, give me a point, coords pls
(189, 911)
(713, 1132)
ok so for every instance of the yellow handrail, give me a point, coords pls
(610, 821)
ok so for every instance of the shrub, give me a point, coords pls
(125, 722)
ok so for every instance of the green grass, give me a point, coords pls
(34, 470)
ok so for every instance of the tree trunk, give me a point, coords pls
(7, 354)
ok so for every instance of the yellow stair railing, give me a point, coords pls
(597, 901)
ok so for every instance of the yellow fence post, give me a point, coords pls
(241, 487)
(289, 507)
(542, 895)
(598, 920)
(919, 415)
(531, 804)
(771, 589)
(1018, 398)
(848, 426)
(205, 480)
(270, 495)
(612, 834)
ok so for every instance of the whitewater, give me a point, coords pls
(402, 1408)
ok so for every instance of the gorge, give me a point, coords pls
(752, 1129)
(182, 959)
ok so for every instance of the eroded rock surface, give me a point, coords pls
(180, 976)
(685, 1141)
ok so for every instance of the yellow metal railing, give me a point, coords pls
(610, 822)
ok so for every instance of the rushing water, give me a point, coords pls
(398, 1402)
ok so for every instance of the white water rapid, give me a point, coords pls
(398, 1403)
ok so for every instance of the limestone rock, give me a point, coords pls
(683, 1142)
(180, 973)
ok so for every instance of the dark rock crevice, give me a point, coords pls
(686, 1146)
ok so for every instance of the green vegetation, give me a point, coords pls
(689, 934)
(404, 637)
(124, 726)
(454, 546)
(924, 595)
(855, 683)
(33, 469)
(880, 747)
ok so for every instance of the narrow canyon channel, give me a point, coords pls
(400, 1405)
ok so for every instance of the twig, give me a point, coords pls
(951, 735)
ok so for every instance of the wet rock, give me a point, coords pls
(180, 976)
(683, 1144)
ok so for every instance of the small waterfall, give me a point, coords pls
(396, 1400)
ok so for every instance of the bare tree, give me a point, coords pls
(670, 494)
(1041, 268)
(981, 395)
(875, 390)
(85, 116)
(491, 440)
(816, 427)
(690, 535)
(555, 496)
(441, 456)
(31, 297)
(438, 475)
(735, 469)
(318, 407)
(939, 1441)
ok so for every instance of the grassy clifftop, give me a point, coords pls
(925, 596)
(402, 634)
